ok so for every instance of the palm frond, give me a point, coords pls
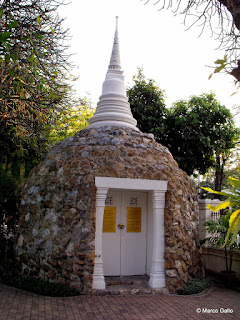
(222, 205)
(234, 226)
(234, 182)
(226, 194)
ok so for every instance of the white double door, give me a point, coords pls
(124, 233)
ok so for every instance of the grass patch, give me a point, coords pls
(39, 286)
(195, 285)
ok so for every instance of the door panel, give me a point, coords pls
(133, 244)
(111, 240)
(124, 251)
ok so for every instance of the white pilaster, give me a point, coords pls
(157, 275)
(98, 275)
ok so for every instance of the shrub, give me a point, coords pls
(8, 220)
(195, 285)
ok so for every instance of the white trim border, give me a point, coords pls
(159, 188)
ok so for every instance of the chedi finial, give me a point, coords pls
(113, 108)
(115, 63)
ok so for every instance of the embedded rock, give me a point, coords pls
(56, 236)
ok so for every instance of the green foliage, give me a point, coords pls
(6, 31)
(70, 120)
(233, 171)
(9, 193)
(148, 105)
(195, 285)
(233, 201)
(203, 122)
(218, 231)
(34, 75)
(221, 64)
(39, 286)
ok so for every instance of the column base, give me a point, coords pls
(98, 275)
(98, 282)
(156, 282)
(157, 276)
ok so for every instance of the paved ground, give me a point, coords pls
(16, 304)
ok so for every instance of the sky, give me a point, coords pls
(178, 60)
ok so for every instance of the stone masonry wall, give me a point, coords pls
(57, 225)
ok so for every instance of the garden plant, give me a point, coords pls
(218, 230)
(232, 201)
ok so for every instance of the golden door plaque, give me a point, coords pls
(109, 219)
(133, 219)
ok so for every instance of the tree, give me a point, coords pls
(201, 134)
(34, 86)
(222, 17)
(70, 121)
(33, 70)
(34, 75)
(232, 169)
(148, 105)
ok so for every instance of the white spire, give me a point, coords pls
(113, 108)
(115, 63)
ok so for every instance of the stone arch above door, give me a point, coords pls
(158, 189)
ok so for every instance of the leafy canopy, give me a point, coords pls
(200, 132)
(70, 120)
(34, 74)
(147, 104)
(33, 70)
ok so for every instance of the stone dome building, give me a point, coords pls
(109, 201)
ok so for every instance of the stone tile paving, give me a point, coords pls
(16, 304)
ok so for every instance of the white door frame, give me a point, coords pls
(159, 188)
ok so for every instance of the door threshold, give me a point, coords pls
(126, 285)
(141, 280)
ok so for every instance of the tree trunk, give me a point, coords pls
(233, 7)
(218, 180)
(219, 176)
(219, 173)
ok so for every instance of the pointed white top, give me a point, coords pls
(115, 63)
(116, 31)
(113, 108)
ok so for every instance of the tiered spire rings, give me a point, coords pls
(113, 108)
